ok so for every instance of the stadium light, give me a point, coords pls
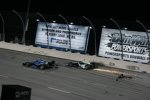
(68, 29)
(46, 27)
(104, 26)
(27, 15)
(54, 21)
(125, 28)
(120, 36)
(23, 26)
(146, 30)
(3, 27)
(93, 31)
(71, 23)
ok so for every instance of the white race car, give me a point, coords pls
(81, 64)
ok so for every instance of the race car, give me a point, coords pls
(81, 64)
(40, 64)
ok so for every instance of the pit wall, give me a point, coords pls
(77, 56)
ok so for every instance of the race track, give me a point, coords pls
(68, 83)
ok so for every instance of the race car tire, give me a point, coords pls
(42, 67)
(52, 63)
(27, 64)
(87, 67)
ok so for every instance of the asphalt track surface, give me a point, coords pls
(68, 83)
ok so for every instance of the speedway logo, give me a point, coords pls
(131, 44)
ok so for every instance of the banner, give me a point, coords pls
(57, 36)
(135, 45)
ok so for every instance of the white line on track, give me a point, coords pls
(58, 90)
(3, 76)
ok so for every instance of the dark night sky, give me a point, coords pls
(95, 9)
(98, 9)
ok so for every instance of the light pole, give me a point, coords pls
(23, 26)
(93, 31)
(146, 30)
(27, 16)
(3, 27)
(46, 27)
(120, 36)
(68, 29)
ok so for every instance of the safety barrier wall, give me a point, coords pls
(77, 56)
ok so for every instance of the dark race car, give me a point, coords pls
(40, 64)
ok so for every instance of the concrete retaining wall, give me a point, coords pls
(77, 56)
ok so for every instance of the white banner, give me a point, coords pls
(135, 45)
(58, 36)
